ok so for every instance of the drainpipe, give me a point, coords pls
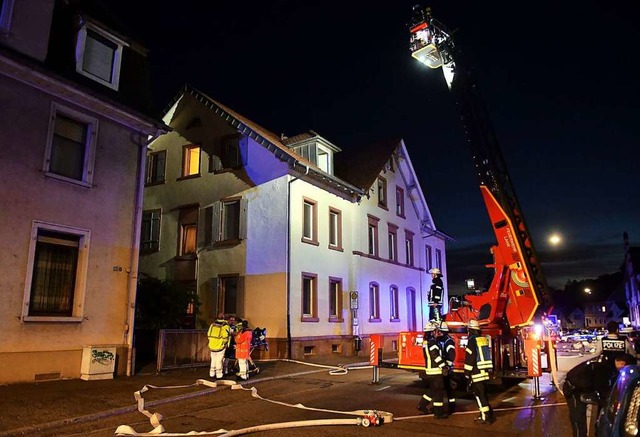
(288, 272)
(135, 250)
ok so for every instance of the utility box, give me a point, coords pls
(98, 362)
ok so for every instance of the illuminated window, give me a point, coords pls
(309, 221)
(399, 202)
(56, 274)
(374, 302)
(373, 235)
(188, 230)
(382, 193)
(335, 229)
(71, 146)
(335, 300)
(98, 55)
(156, 167)
(191, 161)
(150, 233)
(309, 297)
(393, 303)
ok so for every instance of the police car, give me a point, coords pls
(619, 417)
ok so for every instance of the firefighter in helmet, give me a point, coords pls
(477, 364)
(434, 365)
(448, 350)
(435, 295)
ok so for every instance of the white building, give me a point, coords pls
(313, 243)
(74, 121)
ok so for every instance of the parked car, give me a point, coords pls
(619, 417)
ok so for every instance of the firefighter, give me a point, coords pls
(448, 350)
(477, 364)
(218, 335)
(435, 295)
(434, 365)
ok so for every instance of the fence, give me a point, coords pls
(182, 348)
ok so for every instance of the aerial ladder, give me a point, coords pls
(518, 294)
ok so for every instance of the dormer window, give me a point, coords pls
(98, 55)
(318, 155)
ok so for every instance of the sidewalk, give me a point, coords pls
(26, 408)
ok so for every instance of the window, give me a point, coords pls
(382, 193)
(309, 297)
(234, 151)
(399, 202)
(318, 155)
(408, 247)
(188, 230)
(150, 234)
(225, 221)
(56, 273)
(190, 161)
(6, 11)
(156, 167)
(439, 259)
(323, 160)
(374, 302)
(229, 294)
(98, 55)
(335, 299)
(428, 257)
(309, 221)
(393, 242)
(71, 146)
(393, 304)
(335, 229)
(373, 235)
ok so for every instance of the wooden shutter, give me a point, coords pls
(216, 230)
(243, 218)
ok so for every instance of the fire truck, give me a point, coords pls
(518, 294)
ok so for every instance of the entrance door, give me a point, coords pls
(411, 309)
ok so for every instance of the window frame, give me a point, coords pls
(82, 267)
(6, 13)
(151, 175)
(185, 224)
(336, 235)
(81, 46)
(439, 259)
(373, 240)
(394, 304)
(335, 297)
(313, 238)
(186, 162)
(392, 242)
(381, 185)
(428, 257)
(400, 202)
(152, 248)
(408, 248)
(312, 316)
(89, 146)
(374, 302)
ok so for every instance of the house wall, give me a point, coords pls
(106, 209)
(30, 26)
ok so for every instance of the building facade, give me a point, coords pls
(631, 278)
(75, 121)
(314, 244)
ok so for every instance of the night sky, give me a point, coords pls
(559, 79)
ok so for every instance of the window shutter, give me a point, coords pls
(243, 218)
(216, 213)
(243, 146)
(214, 296)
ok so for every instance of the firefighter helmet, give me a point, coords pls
(430, 327)
(435, 271)
(473, 324)
(444, 327)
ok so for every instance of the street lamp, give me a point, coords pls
(587, 290)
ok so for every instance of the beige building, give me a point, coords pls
(315, 244)
(74, 123)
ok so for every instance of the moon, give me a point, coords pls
(555, 239)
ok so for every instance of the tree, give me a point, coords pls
(163, 304)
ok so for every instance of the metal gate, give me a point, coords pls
(183, 348)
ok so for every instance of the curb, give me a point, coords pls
(27, 430)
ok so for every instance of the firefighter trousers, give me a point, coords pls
(479, 390)
(435, 394)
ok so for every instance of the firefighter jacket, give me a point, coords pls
(477, 360)
(243, 344)
(218, 335)
(448, 347)
(433, 362)
(436, 290)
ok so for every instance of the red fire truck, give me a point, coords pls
(518, 294)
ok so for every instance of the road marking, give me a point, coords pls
(383, 388)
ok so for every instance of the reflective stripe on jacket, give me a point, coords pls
(218, 335)
(243, 344)
(477, 360)
(432, 357)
